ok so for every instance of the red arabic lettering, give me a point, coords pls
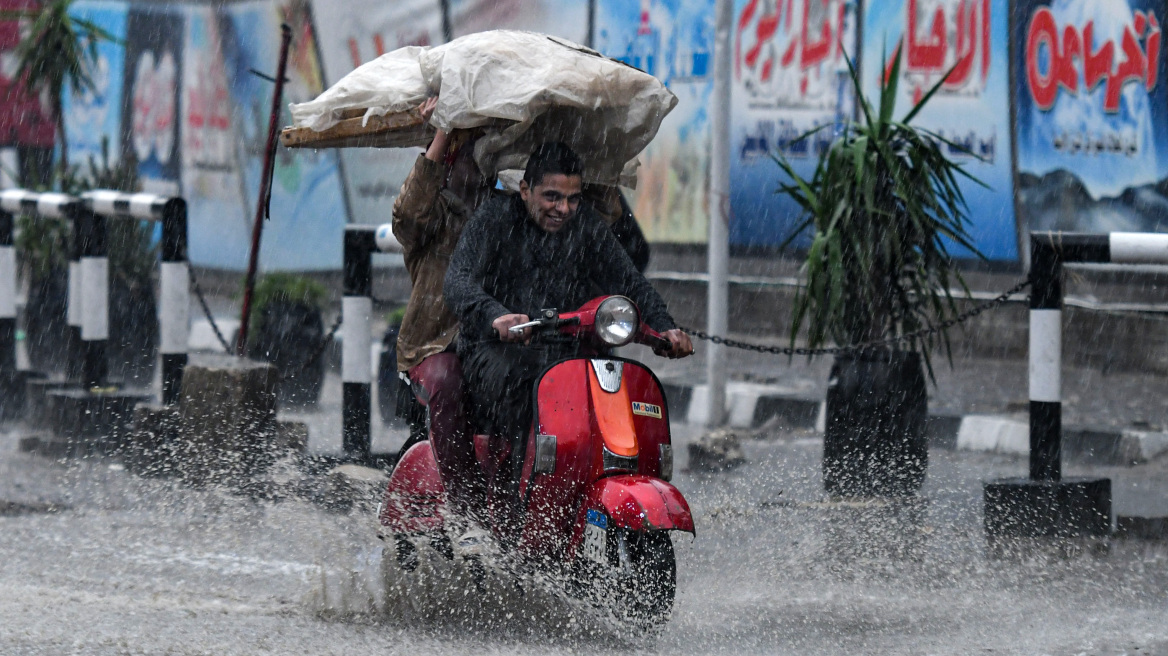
(1098, 65)
(814, 51)
(763, 22)
(932, 53)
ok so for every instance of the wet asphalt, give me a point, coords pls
(96, 560)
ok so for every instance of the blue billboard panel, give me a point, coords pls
(94, 116)
(672, 40)
(789, 77)
(968, 40)
(308, 210)
(1092, 116)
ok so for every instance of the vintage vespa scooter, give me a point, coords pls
(592, 498)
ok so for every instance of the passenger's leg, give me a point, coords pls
(439, 378)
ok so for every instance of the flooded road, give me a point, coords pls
(95, 560)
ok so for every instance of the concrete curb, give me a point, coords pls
(750, 405)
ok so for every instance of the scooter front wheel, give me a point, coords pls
(639, 583)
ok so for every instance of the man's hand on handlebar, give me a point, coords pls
(681, 345)
(503, 324)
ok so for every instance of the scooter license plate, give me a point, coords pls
(596, 537)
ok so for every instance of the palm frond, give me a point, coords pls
(884, 205)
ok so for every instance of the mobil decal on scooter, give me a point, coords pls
(593, 495)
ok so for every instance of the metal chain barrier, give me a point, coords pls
(207, 311)
(864, 346)
(316, 353)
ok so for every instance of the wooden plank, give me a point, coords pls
(401, 130)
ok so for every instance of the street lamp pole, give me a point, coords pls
(718, 254)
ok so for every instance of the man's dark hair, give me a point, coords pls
(552, 157)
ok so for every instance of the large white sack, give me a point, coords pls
(523, 88)
(368, 86)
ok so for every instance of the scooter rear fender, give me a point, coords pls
(638, 502)
(414, 496)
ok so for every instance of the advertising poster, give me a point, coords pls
(94, 117)
(24, 121)
(789, 77)
(972, 109)
(308, 212)
(150, 98)
(567, 19)
(1092, 115)
(212, 181)
(672, 40)
(353, 32)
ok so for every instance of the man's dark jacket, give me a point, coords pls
(506, 264)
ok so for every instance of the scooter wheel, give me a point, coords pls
(639, 582)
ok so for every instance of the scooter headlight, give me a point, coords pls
(617, 321)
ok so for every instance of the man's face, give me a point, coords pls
(554, 201)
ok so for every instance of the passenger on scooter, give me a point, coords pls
(522, 253)
(437, 199)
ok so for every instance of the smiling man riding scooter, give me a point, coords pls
(524, 253)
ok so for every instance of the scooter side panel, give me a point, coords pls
(414, 496)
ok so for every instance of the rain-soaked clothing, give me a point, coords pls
(437, 384)
(427, 220)
(506, 264)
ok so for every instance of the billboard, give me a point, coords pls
(789, 77)
(1092, 115)
(150, 96)
(212, 178)
(674, 41)
(563, 18)
(308, 212)
(353, 32)
(969, 38)
(94, 117)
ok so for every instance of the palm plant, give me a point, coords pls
(884, 206)
(58, 49)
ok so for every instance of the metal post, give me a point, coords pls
(73, 344)
(718, 292)
(94, 297)
(1046, 504)
(174, 308)
(265, 190)
(1046, 303)
(8, 374)
(447, 21)
(590, 36)
(356, 314)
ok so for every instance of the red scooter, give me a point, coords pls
(593, 498)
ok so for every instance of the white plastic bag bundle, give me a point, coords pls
(523, 88)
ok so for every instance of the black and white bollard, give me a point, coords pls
(1047, 504)
(356, 315)
(174, 274)
(9, 376)
(91, 236)
(58, 206)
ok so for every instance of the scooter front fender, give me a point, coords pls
(639, 502)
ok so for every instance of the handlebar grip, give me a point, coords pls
(658, 343)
